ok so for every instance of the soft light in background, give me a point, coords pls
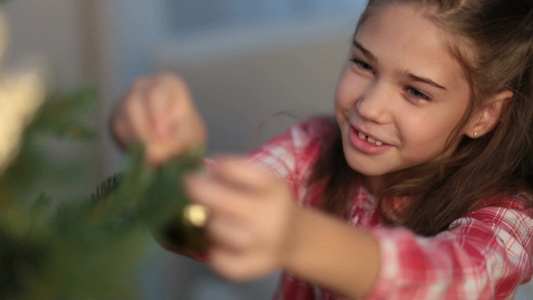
(245, 62)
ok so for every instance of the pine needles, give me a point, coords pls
(87, 249)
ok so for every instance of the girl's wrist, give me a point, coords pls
(295, 240)
(331, 253)
(303, 240)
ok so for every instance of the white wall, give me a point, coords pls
(49, 32)
(50, 29)
(242, 78)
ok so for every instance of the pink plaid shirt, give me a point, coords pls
(486, 254)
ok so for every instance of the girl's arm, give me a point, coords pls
(485, 255)
(257, 228)
(333, 254)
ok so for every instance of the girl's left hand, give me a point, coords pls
(251, 217)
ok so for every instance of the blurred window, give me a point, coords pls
(185, 16)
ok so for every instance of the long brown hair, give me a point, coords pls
(493, 42)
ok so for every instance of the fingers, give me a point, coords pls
(120, 130)
(219, 197)
(240, 266)
(250, 216)
(230, 203)
(229, 234)
(242, 174)
(129, 121)
(158, 104)
(135, 111)
(158, 111)
(160, 97)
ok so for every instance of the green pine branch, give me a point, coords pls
(85, 249)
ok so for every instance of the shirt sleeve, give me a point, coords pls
(485, 255)
(291, 155)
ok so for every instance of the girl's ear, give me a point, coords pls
(488, 116)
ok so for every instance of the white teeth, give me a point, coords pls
(373, 141)
(369, 139)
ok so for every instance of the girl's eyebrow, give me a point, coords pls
(367, 53)
(413, 77)
(407, 74)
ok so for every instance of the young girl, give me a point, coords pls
(419, 190)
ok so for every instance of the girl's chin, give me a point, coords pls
(368, 165)
(365, 167)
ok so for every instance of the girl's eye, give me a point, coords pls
(362, 65)
(417, 94)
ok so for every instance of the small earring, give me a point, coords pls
(475, 133)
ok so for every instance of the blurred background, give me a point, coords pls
(254, 67)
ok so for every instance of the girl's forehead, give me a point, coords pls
(403, 25)
(403, 38)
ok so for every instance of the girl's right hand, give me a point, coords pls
(158, 111)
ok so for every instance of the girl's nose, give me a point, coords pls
(374, 104)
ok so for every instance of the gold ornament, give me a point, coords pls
(195, 214)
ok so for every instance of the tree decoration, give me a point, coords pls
(89, 249)
(77, 249)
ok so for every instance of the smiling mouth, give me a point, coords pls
(369, 139)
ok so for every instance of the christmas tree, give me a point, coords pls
(88, 249)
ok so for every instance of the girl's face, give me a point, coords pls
(400, 96)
